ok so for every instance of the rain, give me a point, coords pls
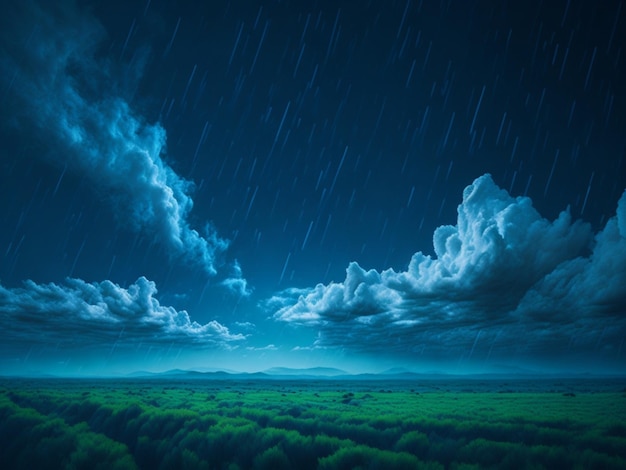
(298, 138)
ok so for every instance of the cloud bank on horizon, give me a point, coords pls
(82, 315)
(504, 281)
(56, 83)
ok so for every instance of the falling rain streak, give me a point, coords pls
(290, 142)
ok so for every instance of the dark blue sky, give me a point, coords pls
(175, 181)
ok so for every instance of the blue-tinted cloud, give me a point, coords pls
(58, 87)
(269, 347)
(78, 314)
(236, 283)
(504, 281)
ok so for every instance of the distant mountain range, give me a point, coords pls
(500, 372)
(311, 371)
(194, 374)
(276, 373)
(323, 373)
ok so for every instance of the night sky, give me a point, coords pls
(431, 185)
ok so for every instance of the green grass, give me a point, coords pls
(295, 424)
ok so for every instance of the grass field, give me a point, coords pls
(151, 423)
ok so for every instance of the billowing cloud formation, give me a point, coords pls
(236, 283)
(504, 281)
(81, 314)
(56, 84)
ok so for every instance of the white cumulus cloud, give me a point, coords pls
(502, 279)
(81, 314)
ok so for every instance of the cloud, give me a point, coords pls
(503, 281)
(236, 283)
(594, 284)
(58, 84)
(78, 314)
(245, 325)
(315, 346)
(269, 347)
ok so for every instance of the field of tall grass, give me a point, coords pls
(149, 423)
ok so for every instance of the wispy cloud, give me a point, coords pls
(78, 314)
(503, 281)
(60, 90)
(236, 283)
(269, 347)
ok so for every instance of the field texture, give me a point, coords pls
(114, 424)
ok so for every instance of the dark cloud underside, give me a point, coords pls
(504, 279)
(77, 314)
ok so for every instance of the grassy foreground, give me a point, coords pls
(115, 424)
